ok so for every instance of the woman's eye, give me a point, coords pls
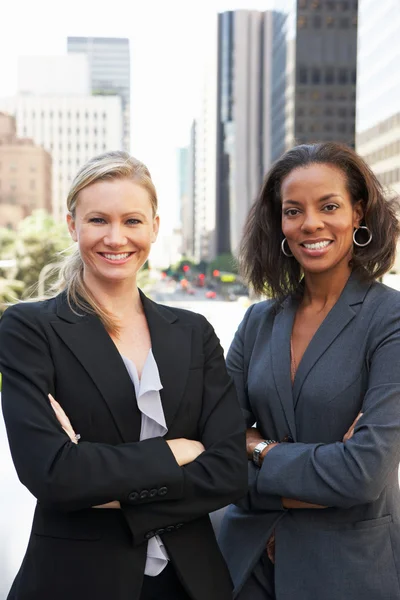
(133, 221)
(330, 207)
(96, 220)
(291, 212)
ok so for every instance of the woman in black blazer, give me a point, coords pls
(123, 514)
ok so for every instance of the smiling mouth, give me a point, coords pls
(317, 245)
(121, 256)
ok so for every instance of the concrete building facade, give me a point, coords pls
(378, 89)
(70, 128)
(25, 175)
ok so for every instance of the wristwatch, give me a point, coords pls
(258, 450)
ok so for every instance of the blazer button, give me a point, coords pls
(144, 494)
(160, 531)
(170, 528)
(178, 525)
(153, 493)
(162, 491)
(149, 535)
(133, 496)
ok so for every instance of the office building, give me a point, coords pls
(109, 64)
(25, 175)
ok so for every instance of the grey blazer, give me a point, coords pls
(351, 549)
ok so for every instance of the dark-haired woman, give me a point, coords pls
(317, 368)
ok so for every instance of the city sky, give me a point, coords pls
(168, 41)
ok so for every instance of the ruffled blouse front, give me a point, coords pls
(148, 399)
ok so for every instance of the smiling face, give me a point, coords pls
(114, 226)
(318, 218)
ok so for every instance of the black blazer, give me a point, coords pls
(79, 552)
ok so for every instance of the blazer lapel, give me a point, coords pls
(336, 320)
(90, 343)
(171, 344)
(280, 356)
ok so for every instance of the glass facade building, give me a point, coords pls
(109, 63)
(314, 72)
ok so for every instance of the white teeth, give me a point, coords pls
(317, 246)
(116, 256)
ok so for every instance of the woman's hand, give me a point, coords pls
(63, 420)
(349, 434)
(185, 451)
(254, 437)
(69, 430)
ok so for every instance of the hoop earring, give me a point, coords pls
(367, 242)
(283, 248)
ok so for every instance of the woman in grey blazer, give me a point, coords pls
(317, 369)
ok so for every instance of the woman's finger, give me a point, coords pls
(349, 434)
(63, 420)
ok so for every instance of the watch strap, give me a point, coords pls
(259, 449)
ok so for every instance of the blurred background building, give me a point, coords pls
(378, 89)
(110, 71)
(25, 175)
(54, 107)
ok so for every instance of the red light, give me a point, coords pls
(216, 273)
(201, 276)
(186, 268)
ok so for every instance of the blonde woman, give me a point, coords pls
(123, 514)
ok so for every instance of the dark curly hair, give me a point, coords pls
(262, 262)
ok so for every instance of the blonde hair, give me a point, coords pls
(105, 167)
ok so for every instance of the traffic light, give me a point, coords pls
(202, 276)
(185, 268)
(215, 273)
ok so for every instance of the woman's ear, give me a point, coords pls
(358, 214)
(71, 227)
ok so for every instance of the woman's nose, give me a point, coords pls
(312, 221)
(115, 237)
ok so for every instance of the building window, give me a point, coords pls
(330, 22)
(343, 76)
(330, 4)
(302, 3)
(32, 185)
(13, 167)
(302, 22)
(316, 75)
(317, 21)
(316, 4)
(302, 75)
(342, 112)
(328, 126)
(329, 75)
(344, 23)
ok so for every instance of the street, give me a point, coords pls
(17, 504)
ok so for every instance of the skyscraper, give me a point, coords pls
(241, 117)
(109, 63)
(314, 73)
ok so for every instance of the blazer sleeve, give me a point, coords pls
(56, 471)
(346, 474)
(219, 475)
(238, 369)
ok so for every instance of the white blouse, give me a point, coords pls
(153, 425)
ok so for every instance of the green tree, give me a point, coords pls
(39, 242)
(10, 291)
(224, 262)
